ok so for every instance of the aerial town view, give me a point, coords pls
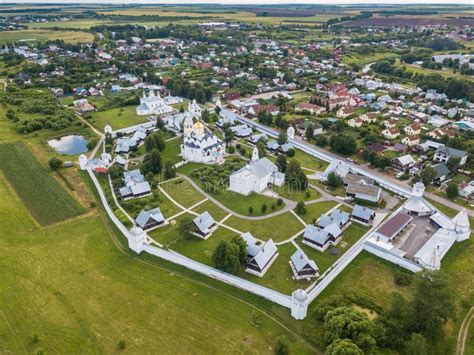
(229, 177)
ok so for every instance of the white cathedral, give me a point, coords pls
(200, 145)
(153, 105)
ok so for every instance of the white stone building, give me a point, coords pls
(153, 105)
(256, 176)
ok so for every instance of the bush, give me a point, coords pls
(280, 201)
(402, 278)
(250, 210)
(300, 208)
(55, 163)
(122, 344)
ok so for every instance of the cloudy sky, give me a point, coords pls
(329, 2)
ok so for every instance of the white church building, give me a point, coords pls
(153, 105)
(200, 145)
(256, 176)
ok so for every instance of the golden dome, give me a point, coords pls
(198, 125)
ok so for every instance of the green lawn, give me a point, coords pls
(279, 276)
(295, 195)
(199, 249)
(315, 210)
(240, 203)
(117, 118)
(216, 212)
(44, 197)
(310, 162)
(182, 192)
(278, 228)
(78, 290)
(172, 151)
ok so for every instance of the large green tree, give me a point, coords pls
(295, 176)
(347, 323)
(343, 347)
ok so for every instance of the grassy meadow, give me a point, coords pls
(44, 197)
(74, 286)
(45, 35)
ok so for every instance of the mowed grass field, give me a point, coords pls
(77, 289)
(45, 35)
(44, 197)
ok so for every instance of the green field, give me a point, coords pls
(44, 197)
(117, 118)
(75, 288)
(44, 35)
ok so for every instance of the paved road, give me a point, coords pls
(387, 181)
(289, 205)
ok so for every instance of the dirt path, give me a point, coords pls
(464, 331)
(289, 205)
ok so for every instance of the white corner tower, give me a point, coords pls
(418, 190)
(299, 305)
(136, 239)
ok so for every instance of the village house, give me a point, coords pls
(466, 190)
(412, 140)
(442, 173)
(355, 122)
(260, 256)
(413, 129)
(321, 238)
(363, 214)
(310, 108)
(338, 217)
(134, 185)
(391, 123)
(345, 112)
(302, 266)
(443, 154)
(149, 219)
(205, 225)
(439, 133)
(391, 133)
(368, 117)
(82, 105)
(403, 163)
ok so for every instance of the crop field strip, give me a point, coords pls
(44, 197)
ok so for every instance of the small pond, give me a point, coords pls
(70, 145)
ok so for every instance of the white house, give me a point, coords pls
(153, 105)
(256, 176)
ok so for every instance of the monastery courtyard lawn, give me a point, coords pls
(279, 228)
